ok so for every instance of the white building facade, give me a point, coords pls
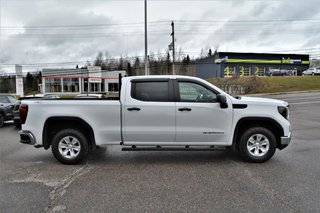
(75, 81)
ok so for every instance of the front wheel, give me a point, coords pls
(257, 144)
(69, 146)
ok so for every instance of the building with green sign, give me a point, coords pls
(228, 64)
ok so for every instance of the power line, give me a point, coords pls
(246, 20)
(179, 22)
(80, 25)
(158, 0)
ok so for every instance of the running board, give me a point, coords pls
(186, 148)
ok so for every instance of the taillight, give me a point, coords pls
(23, 112)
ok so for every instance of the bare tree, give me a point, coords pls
(99, 59)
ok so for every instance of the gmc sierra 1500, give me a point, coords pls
(158, 113)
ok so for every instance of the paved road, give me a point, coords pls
(114, 181)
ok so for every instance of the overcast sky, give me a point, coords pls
(60, 31)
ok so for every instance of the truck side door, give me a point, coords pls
(149, 112)
(199, 117)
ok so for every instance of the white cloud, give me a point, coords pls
(110, 33)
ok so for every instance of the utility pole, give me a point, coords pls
(0, 36)
(173, 51)
(145, 40)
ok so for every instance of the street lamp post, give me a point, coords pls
(145, 40)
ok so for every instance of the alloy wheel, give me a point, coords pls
(258, 145)
(69, 147)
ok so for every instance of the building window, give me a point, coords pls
(85, 85)
(113, 87)
(53, 85)
(94, 87)
(103, 85)
(70, 85)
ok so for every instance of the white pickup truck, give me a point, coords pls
(162, 113)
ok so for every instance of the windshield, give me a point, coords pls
(12, 99)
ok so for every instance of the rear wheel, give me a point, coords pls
(1, 120)
(69, 146)
(257, 144)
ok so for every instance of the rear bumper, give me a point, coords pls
(284, 142)
(27, 137)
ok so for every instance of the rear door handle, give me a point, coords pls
(133, 109)
(184, 109)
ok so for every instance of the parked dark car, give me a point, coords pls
(7, 102)
(16, 117)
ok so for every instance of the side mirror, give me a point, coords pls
(223, 101)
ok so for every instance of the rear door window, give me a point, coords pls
(156, 91)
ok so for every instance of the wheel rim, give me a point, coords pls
(258, 145)
(69, 147)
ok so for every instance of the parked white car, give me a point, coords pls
(311, 71)
(40, 95)
(158, 113)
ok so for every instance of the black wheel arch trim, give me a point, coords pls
(254, 119)
(47, 143)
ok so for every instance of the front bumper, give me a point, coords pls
(8, 116)
(284, 142)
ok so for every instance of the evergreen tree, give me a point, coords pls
(29, 82)
(129, 69)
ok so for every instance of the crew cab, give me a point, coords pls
(163, 113)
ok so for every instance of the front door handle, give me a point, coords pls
(184, 109)
(133, 109)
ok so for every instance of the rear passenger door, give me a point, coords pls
(149, 112)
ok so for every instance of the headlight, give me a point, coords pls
(284, 111)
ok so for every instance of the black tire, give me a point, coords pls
(73, 136)
(251, 148)
(1, 120)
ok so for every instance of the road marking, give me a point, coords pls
(297, 99)
(309, 102)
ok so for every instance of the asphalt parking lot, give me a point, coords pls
(114, 181)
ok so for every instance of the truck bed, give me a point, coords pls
(102, 115)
